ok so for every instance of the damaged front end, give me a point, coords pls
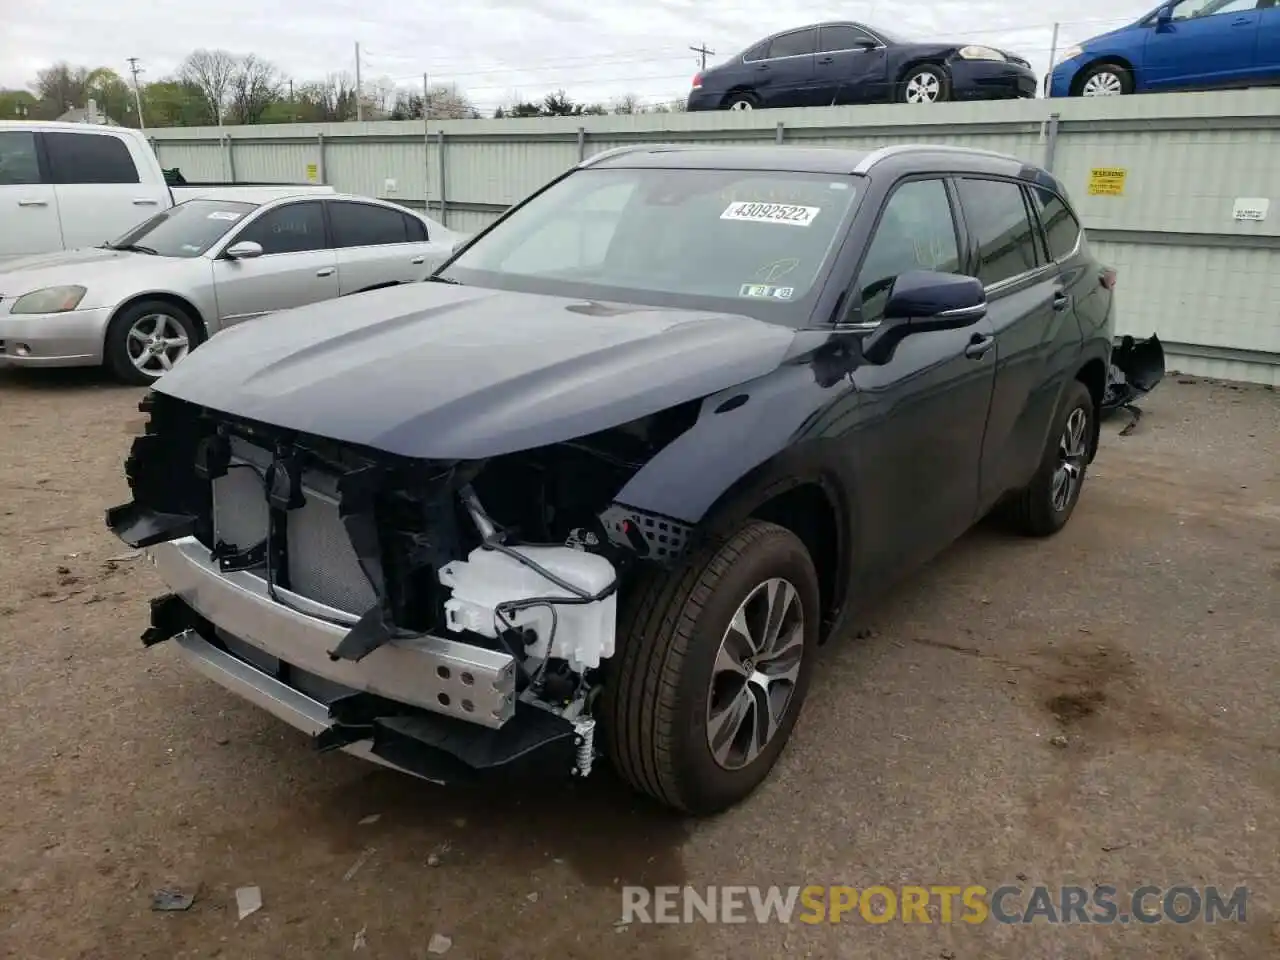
(448, 619)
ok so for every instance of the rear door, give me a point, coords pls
(849, 66)
(1209, 42)
(101, 193)
(785, 78)
(1031, 321)
(1267, 46)
(297, 265)
(376, 245)
(918, 448)
(28, 202)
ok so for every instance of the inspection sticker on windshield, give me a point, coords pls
(765, 291)
(790, 213)
(223, 215)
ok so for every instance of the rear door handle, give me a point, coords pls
(1061, 300)
(326, 272)
(144, 202)
(826, 59)
(978, 346)
(418, 260)
(33, 203)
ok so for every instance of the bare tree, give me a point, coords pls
(628, 103)
(255, 85)
(62, 85)
(211, 72)
(333, 99)
(447, 102)
(379, 98)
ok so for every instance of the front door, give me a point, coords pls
(916, 449)
(850, 67)
(1208, 42)
(1030, 315)
(297, 265)
(28, 204)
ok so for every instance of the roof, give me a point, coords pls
(61, 125)
(796, 159)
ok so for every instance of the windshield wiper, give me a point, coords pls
(456, 283)
(133, 247)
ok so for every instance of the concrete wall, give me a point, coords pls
(1189, 270)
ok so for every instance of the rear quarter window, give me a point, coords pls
(1061, 228)
(89, 158)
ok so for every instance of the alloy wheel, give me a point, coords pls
(740, 105)
(1072, 451)
(923, 88)
(156, 342)
(1104, 84)
(755, 673)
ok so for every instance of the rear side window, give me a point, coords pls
(1061, 229)
(416, 229)
(364, 225)
(997, 217)
(758, 52)
(89, 158)
(794, 44)
(18, 163)
(293, 228)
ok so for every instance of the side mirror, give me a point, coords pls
(244, 250)
(1165, 14)
(924, 300)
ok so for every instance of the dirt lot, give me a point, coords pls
(1147, 635)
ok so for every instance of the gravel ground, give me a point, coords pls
(1146, 635)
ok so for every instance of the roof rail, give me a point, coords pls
(631, 148)
(884, 153)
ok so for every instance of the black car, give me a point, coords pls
(604, 484)
(828, 64)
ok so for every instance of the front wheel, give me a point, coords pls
(715, 662)
(926, 83)
(146, 339)
(1105, 80)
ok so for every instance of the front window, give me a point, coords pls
(753, 242)
(187, 230)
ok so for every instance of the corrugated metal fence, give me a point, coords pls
(1173, 188)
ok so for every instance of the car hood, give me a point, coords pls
(447, 372)
(24, 274)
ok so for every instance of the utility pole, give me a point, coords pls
(426, 99)
(137, 96)
(359, 88)
(704, 51)
(293, 107)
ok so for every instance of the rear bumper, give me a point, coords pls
(990, 80)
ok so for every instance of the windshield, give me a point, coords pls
(187, 230)
(742, 241)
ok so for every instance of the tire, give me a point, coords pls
(1106, 79)
(657, 701)
(741, 100)
(922, 78)
(1038, 510)
(143, 316)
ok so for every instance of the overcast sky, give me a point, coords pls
(498, 50)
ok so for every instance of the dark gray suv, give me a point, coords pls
(603, 485)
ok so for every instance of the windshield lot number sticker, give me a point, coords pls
(790, 213)
(223, 215)
(766, 292)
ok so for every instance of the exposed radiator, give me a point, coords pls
(323, 566)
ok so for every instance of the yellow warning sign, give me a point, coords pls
(1106, 181)
(313, 172)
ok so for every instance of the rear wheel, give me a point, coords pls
(1105, 80)
(715, 662)
(1045, 505)
(742, 100)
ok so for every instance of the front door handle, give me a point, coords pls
(978, 346)
(1061, 300)
(826, 59)
(33, 203)
(144, 202)
(418, 260)
(326, 272)
(1241, 21)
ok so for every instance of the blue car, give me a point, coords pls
(835, 63)
(1184, 45)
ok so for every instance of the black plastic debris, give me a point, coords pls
(1137, 366)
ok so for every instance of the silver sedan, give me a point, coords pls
(140, 304)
